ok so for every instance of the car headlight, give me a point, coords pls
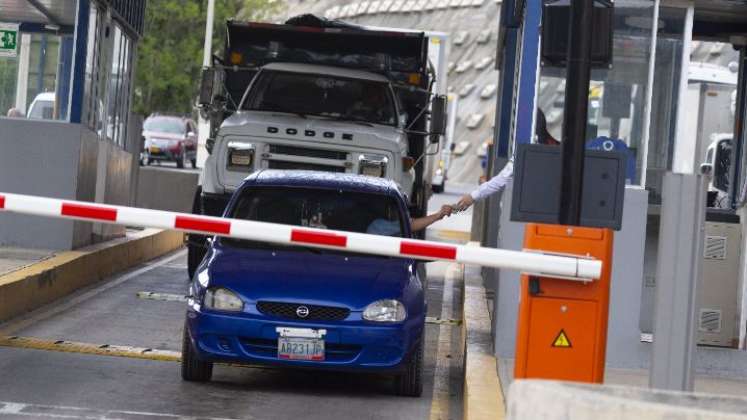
(385, 310)
(372, 165)
(240, 156)
(222, 299)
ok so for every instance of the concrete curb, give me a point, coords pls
(555, 400)
(483, 393)
(35, 285)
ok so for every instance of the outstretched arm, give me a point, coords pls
(420, 223)
(492, 186)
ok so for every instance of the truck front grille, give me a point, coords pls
(302, 151)
(279, 164)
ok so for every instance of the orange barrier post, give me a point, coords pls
(562, 331)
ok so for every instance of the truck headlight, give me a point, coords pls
(222, 299)
(385, 310)
(372, 165)
(240, 156)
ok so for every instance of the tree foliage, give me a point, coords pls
(169, 56)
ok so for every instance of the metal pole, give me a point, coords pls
(207, 49)
(578, 74)
(207, 52)
(677, 272)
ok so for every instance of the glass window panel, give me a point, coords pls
(617, 95)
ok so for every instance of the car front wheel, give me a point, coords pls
(410, 382)
(193, 369)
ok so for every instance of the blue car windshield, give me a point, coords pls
(318, 208)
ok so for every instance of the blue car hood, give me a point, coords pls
(299, 276)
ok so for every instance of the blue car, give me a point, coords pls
(258, 303)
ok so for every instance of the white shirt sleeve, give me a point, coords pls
(495, 184)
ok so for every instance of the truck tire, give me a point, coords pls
(195, 255)
(410, 382)
(193, 369)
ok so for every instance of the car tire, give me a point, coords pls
(438, 189)
(410, 382)
(193, 369)
(180, 159)
(194, 163)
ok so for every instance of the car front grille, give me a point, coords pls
(290, 311)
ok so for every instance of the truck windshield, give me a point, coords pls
(318, 208)
(322, 95)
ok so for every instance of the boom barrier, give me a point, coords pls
(572, 267)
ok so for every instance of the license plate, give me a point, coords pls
(293, 348)
(154, 149)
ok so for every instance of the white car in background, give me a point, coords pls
(42, 107)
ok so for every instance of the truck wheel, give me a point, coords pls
(410, 382)
(193, 369)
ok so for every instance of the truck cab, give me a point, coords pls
(304, 116)
(320, 95)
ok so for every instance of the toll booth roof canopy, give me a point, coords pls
(720, 18)
(39, 11)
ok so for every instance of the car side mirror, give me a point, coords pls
(206, 86)
(209, 143)
(438, 117)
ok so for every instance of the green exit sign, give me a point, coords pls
(8, 39)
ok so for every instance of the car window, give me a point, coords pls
(321, 208)
(323, 95)
(42, 110)
(164, 125)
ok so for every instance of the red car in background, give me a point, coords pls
(170, 138)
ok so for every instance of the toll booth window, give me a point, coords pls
(35, 76)
(617, 106)
(322, 209)
(108, 78)
(323, 95)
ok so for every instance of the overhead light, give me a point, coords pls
(52, 27)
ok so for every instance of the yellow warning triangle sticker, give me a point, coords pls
(562, 340)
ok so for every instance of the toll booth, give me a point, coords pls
(66, 129)
(673, 98)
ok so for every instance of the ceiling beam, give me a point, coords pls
(43, 10)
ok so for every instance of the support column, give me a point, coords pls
(677, 272)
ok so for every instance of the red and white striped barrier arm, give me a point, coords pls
(571, 267)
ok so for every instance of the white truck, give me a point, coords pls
(319, 95)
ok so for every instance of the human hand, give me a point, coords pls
(444, 212)
(465, 202)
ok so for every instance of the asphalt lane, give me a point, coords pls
(42, 383)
